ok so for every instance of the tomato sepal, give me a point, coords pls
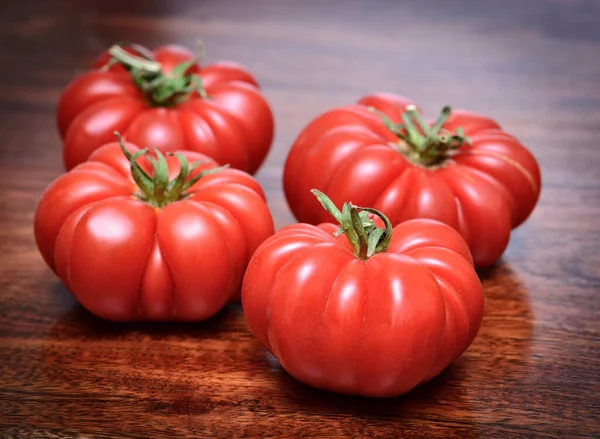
(159, 191)
(420, 143)
(362, 232)
(159, 88)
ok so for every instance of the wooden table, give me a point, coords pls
(534, 369)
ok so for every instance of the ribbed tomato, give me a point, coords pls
(165, 99)
(372, 312)
(151, 239)
(462, 170)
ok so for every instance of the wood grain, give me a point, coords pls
(533, 371)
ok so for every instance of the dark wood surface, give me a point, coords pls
(534, 369)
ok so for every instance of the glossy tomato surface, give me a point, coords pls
(127, 260)
(483, 190)
(375, 327)
(233, 125)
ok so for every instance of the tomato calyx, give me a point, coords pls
(157, 190)
(355, 222)
(160, 89)
(424, 144)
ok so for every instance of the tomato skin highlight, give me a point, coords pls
(375, 327)
(106, 99)
(484, 190)
(126, 260)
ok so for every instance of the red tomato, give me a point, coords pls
(376, 153)
(160, 247)
(376, 322)
(224, 116)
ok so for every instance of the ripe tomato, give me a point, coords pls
(151, 239)
(373, 312)
(165, 99)
(462, 170)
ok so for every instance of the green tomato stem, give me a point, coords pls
(423, 144)
(134, 62)
(159, 88)
(157, 190)
(361, 231)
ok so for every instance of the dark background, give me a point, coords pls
(534, 369)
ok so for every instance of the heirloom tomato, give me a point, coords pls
(165, 99)
(363, 310)
(136, 237)
(462, 170)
